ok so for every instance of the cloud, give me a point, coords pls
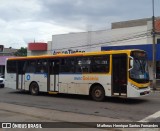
(77, 13)
(18, 33)
(18, 9)
(22, 21)
(94, 12)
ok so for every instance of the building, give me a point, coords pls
(4, 54)
(131, 34)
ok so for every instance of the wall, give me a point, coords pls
(86, 40)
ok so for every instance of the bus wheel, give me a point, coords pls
(98, 93)
(34, 88)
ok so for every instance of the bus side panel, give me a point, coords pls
(63, 87)
(80, 84)
(66, 84)
(10, 80)
(73, 84)
(102, 79)
(40, 79)
(106, 83)
(28, 79)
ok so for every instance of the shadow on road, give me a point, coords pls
(88, 98)
(125, 100)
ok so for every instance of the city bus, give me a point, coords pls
(121, 73)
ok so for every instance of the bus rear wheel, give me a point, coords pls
(98, 93)
(34, 88)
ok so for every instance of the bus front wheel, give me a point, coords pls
(34, 88)
(98, 93)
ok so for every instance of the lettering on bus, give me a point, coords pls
(89, 78)
(77, 78)
(93, 78)
(68, 52)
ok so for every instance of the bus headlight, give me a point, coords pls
(135, 87)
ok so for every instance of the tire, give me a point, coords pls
(34, 88)
(98, 93)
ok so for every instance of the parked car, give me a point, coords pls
(1, 81)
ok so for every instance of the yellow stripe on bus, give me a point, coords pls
(138, 84)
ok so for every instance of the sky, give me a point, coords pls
(24, 21)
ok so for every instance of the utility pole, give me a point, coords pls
(154, 48)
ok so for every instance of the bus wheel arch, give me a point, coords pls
(34, 88)
(97, 92)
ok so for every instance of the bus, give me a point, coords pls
(121, 73)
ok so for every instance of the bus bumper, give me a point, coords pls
(133, 92)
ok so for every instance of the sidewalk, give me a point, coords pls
(52, 115)
(17, 113)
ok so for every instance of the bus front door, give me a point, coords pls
(53, 77)
(119, 75)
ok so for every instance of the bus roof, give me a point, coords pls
(60, 55)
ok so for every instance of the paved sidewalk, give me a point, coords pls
(17, 113)
(52, 115)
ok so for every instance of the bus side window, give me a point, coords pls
(21, 65)
(78, 66)
(31, 67)
(100, 64)
(54, 66)
(11, 67)
(83, 64)
(25, 67)
(86, 63)
(67, 65)
(41, 66)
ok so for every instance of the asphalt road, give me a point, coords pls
(119, 108)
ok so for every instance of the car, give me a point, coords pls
(2, 81)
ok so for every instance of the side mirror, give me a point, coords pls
(130, 63)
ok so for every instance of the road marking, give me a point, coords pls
(151, 117)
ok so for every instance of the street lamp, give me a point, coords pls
(154, 48)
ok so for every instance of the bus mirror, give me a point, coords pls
(130, 63)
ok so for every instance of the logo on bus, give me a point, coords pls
(28, 77)
(91, 78)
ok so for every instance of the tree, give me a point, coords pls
(21, 52)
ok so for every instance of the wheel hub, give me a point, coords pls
(98, 93)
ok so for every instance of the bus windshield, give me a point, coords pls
(139, 72)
